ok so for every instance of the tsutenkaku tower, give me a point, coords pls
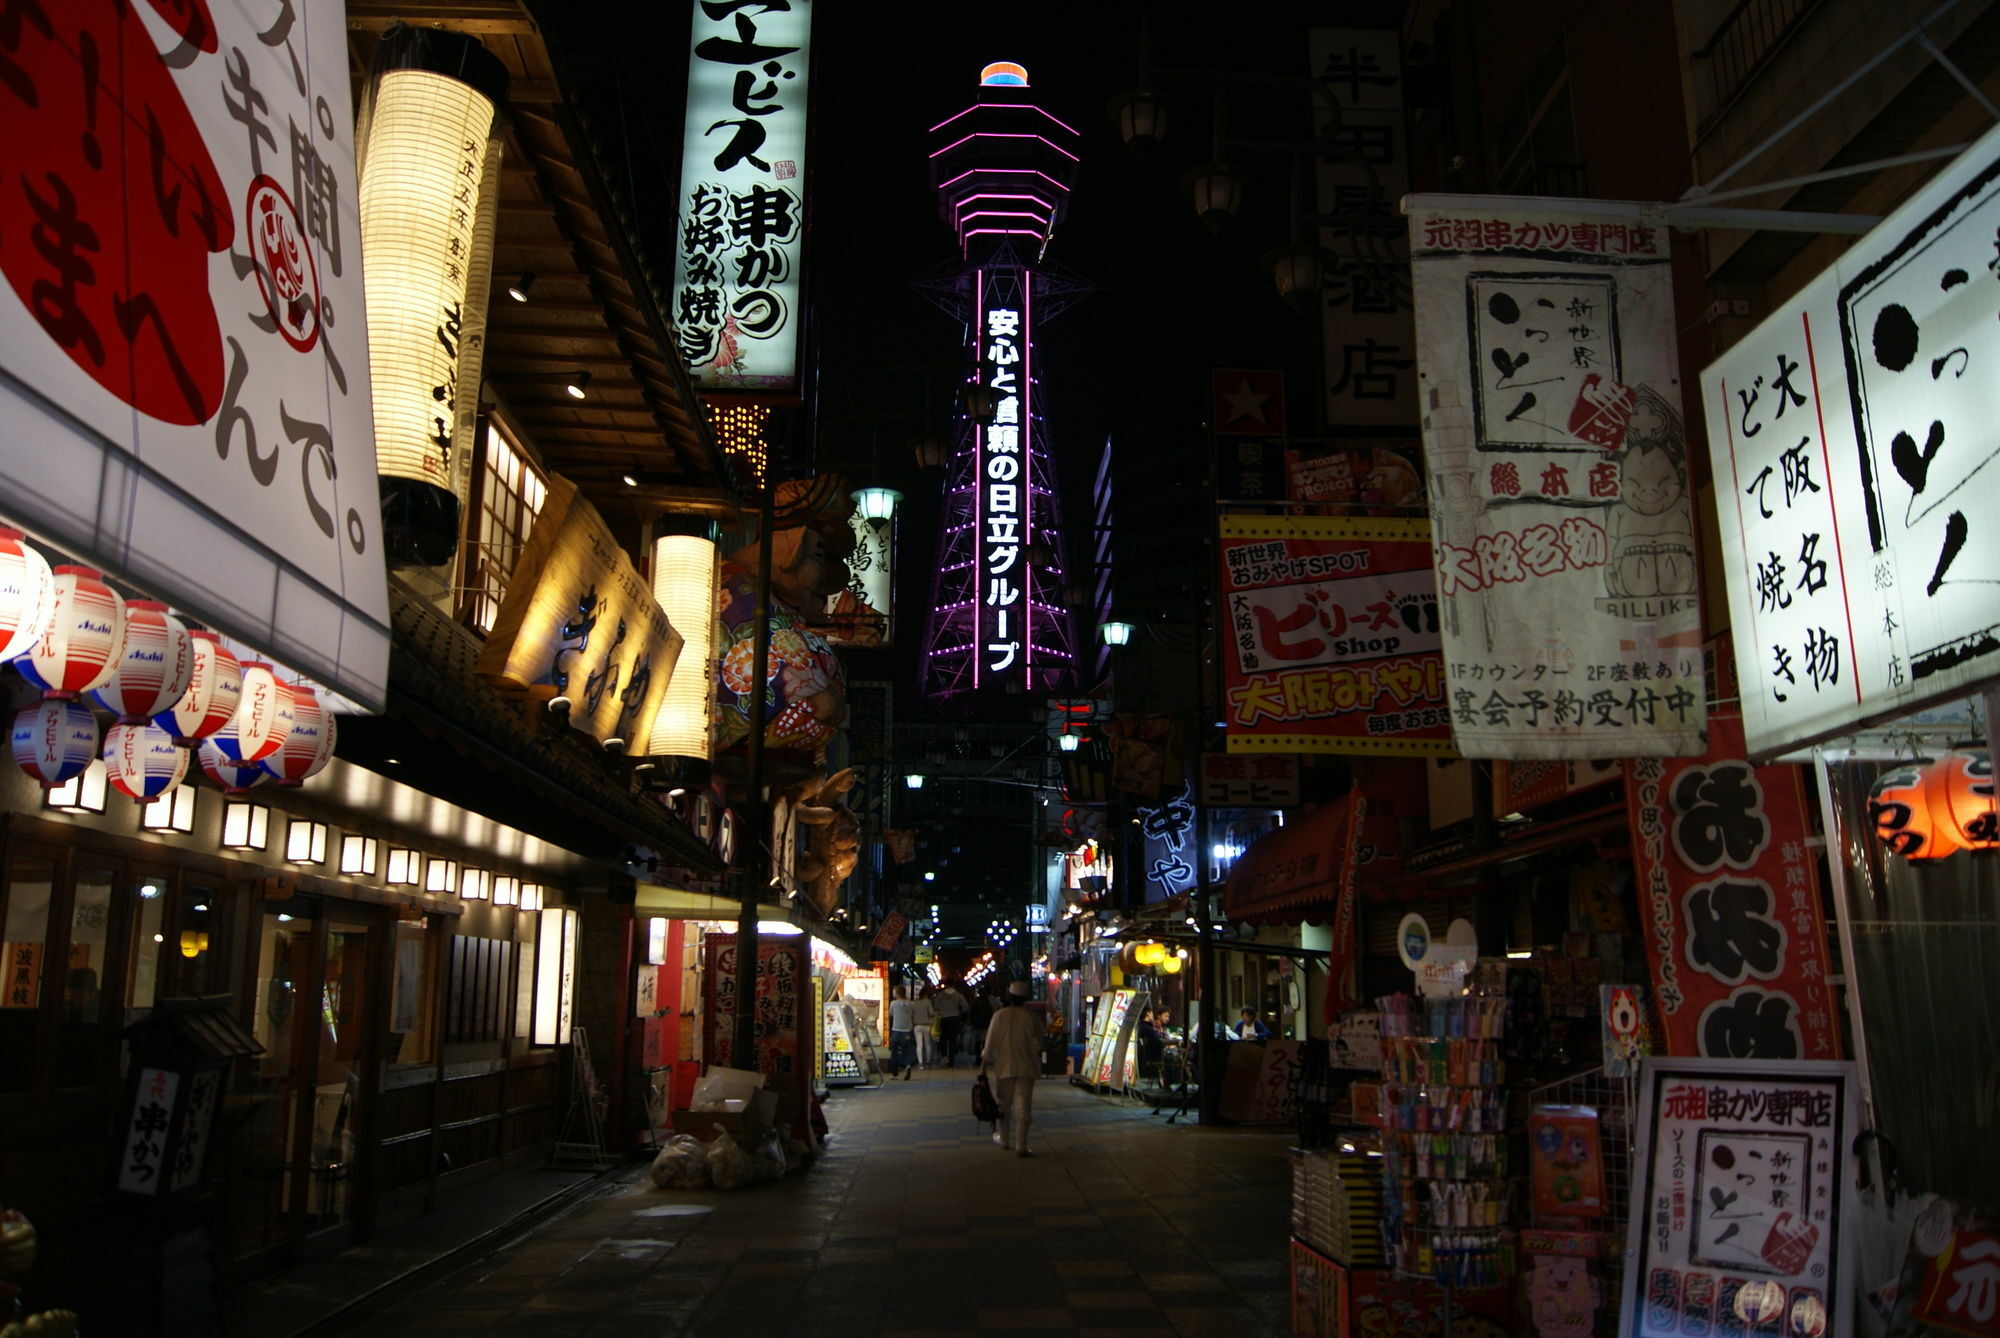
(1002, 169)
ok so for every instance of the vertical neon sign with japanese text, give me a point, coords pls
(1006, 495)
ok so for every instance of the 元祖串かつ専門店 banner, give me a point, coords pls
(1561, 515)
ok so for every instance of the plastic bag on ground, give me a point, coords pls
(728, 1165)
(769, 1158)
(682, 1164)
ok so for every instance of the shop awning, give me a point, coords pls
(678, 903)
(1293, 874)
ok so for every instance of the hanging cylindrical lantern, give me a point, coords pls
(154, 669)
(27, 594)
(684, 583)
(214, 689)
(430, 107)
(54, 740)
(1899, 805)
(1960, 788)
(308, 740)
(79, 647)
(233, 776)
(141, 761)
(260, 724)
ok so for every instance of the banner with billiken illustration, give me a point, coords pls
(1729, 893)
(1333, 637)
(183, 343)
(1556, 457)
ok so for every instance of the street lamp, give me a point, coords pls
(1217, 191)
(1114, 632)
(1141, 117)
(915, 780)
(877, 503)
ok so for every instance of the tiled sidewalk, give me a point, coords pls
(911, 1224)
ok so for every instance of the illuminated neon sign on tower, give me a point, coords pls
(1002, 173)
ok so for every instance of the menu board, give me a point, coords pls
(1743, 1170)
(840, 1056)
(782, 1040)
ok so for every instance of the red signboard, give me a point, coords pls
(1248, 401)
(1334, 644)
(891, 930)
(1730, 897)
(785, 1024)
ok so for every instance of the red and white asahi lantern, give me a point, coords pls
(27, 594)
(54, 740)
(155, 668)
(309, 744)
(79, 648)
(233, 776)
(213, 691)
(259, 726)
(141, 761)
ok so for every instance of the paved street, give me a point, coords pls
(913, 1224)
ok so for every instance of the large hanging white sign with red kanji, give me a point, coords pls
(1562, 525)
(183, 342)
(737, 304)
(1851, 432)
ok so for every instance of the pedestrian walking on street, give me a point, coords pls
(1013, 1058)
(902, 1034)
(951, 1009)
(926, 1017)
(979, 1013)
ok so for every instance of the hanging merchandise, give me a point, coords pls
(141, 761)
(259, 726)
(54, 740)
(27, 593)
(1565, 1163)
(308, 741)
(214, 689)
(233, 776)
(79, 647)
(153, 670)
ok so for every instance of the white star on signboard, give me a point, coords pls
(1244, 402)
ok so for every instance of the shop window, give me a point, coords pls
(80, 1052)
(481, 976)
(199, 942)
(24, 932)
(148, 937)
(412, 1006)
(511, 491)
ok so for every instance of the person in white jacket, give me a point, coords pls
(926, 1014)
(1013, 1058)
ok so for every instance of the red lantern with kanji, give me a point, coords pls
(259, 726)
(213, 692)
(79, 647)
(308, 744)
(1900, 807)
(27, 594)
(1960, 786)
(233, 776)
(141, 761)
(54, 740)
(155, 667)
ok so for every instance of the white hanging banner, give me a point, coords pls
(183, 343)
(1850, 434)
(1562, 528)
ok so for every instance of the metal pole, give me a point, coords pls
(756, 872)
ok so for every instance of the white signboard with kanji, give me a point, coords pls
(1562, 522)
(1850, 433)
(183, 342)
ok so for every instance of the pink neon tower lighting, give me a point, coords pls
(1002, 169)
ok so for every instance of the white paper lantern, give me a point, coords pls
(421, 173)
(214, 689)
(141, 761)
(155, 667)
(233, 776)
(684, 583)
(308, 740)
(27, 594)
(54, 740)
(79, 647)
(260, 724)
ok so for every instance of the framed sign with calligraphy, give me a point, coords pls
(1741, 1175)
(1333, 631)
(1729, 893)
(183, 326)
(737, 291)
(1850, 434)
(786, 1023)
(579, 622)
(1556, 457)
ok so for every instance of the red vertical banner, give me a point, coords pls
(1730, 899)
(782, 1036)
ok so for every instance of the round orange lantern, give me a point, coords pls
(1960, 787)
(1899, 806)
